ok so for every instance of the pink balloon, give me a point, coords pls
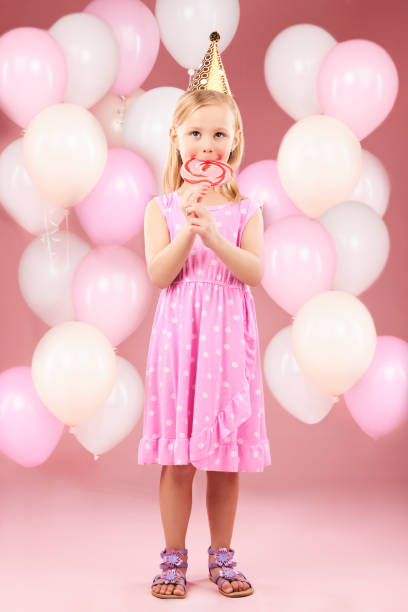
(300, 261)
(113, 212)
(260, 181)
(34, 73)
(358, 84)
(378, 402)
(137, 32)
(112, 291)
(29, 432)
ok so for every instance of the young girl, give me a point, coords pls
(204, 404)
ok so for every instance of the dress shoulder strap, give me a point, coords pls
(248, 208)
(164, 201)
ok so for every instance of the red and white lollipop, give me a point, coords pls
(212, 172)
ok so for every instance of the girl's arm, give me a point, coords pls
(247, 261)
(164, 258)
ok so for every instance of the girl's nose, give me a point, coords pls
(207, 145)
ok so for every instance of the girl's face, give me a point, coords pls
(206, 134)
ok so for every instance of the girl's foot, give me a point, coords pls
(229, 585)
(172, 589)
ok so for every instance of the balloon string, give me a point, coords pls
(121, 111)
(47, 236)
(67, 260)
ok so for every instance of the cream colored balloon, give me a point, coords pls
(64, 152)
(333, 340)
(74, 370)
(319, 163)
(111, 112)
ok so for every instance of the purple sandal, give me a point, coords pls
(171, 575)
(223, 560)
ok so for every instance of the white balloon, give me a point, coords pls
(45, 274)
(185, 27)
(147, 124)
(19, 196)
(362, 244)
(92, 54)
(119, 414)
(291, 65)
(373, 187)
(293, 390)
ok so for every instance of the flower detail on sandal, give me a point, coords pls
(171, 575)
(173, 557)
(223, 556)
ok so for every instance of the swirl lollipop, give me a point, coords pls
(212, 172)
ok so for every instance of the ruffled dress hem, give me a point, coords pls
(233, 457)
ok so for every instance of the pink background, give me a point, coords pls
(332, 507)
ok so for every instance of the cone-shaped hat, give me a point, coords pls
(211, 74)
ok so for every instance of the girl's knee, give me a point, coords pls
(220, 475)
(181, 471)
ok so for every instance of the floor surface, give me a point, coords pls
(67, 547)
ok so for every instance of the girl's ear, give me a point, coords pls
(173, 136)
(236, 139)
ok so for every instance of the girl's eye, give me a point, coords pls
(197, 132)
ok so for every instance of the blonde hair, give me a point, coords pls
(189, 102)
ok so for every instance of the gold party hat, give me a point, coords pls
(211, 74)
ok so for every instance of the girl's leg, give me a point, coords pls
(222, 499)
(175, 506)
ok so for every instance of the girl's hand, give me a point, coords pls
(192, 195)
(202, 222)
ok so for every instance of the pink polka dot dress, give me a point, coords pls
(204, 401)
